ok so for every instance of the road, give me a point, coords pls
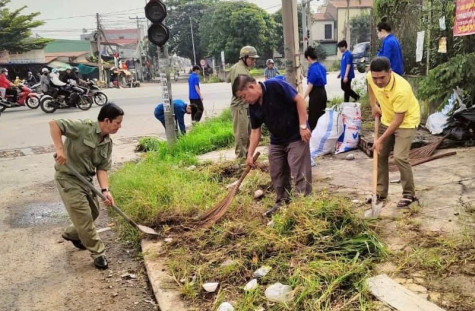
(39, 270)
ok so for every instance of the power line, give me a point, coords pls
(92, 15)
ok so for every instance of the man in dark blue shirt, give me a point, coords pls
(277, 104)
(180, 108)
(194, 91)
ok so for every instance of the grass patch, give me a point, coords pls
(317, 245)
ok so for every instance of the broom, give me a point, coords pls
(213, 215)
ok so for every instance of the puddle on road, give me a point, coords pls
(36, 214)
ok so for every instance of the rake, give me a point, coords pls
(213, 215)
(426, 151)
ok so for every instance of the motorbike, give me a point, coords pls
(98, 96)
(22, 97)
(69, 97)
(33, 99)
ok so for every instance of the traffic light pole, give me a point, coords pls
(165, 82)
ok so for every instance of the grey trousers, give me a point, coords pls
(401, 140)
(290, 161)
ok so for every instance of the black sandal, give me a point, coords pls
(406, 201)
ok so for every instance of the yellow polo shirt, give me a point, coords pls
(396, 97)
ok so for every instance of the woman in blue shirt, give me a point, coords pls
(316, 81)
(390, 46)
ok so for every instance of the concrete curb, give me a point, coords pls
(164, 287)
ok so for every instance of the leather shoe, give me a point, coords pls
(76, 243)
(101, 262)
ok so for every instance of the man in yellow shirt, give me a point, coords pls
(400, 116)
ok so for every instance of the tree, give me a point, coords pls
(15, 30)
(360, 29)
(229, 26)
(180, 15)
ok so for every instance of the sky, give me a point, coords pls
(66, 19)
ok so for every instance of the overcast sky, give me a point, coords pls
(66, 19)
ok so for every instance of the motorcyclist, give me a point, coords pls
(31, 79)
(7, 85)
(67, 75)
(45, 81)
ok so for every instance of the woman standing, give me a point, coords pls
(390, 46)
(316, 81)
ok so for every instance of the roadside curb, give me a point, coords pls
(164, 287)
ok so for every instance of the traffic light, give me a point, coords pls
(156, 11)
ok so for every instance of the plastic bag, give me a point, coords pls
(325, 134)
(351, 117)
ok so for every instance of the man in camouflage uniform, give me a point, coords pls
(239, 108)
(88, 149)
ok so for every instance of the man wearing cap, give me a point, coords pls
(271, 71)
(239, 108)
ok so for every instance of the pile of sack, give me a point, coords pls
(337, 131)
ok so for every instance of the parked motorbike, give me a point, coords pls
(71, 97)
(7, 102)
(98, 96)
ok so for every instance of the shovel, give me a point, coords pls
(141, 228)
(375, 206)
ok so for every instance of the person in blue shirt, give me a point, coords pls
(316, 81)
(194, 91)
(277, 104)
(390, 46)
(347, 72)
(180, 107)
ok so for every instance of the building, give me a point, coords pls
(331, 24)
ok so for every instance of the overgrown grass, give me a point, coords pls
(316, 245)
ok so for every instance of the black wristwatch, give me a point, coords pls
(104, 190)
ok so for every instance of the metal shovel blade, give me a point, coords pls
(146, 230)
(375, 208)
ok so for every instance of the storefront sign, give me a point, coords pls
(464, 23)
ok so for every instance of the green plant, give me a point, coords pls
(459, 71)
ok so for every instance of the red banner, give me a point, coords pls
(464, 23)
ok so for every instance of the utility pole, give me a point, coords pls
(291, 44)
(168, 109)
(98, 41)
(304, 25)
(139, 48)
(193, 42)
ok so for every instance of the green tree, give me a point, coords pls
(360, 29)
(180, 15)
(15, 30)
(228, 26)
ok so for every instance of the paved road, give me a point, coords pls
(24, 128)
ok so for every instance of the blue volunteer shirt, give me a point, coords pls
(193, 80)
(391, 49)
(179, 108)
(278, 112)
(317, 74)
(346, 59)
